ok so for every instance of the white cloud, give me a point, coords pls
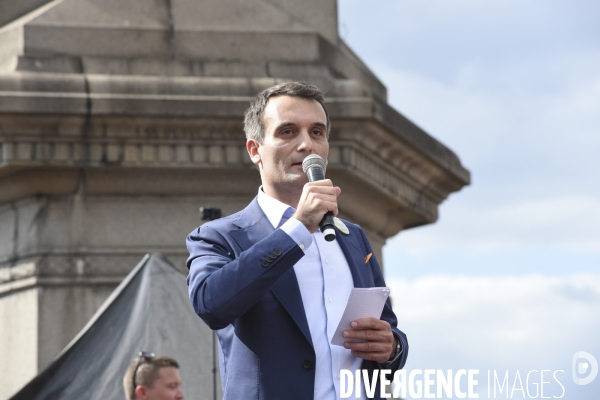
(514, 89)
(532, 156)
(494, 116)
(498, 323)
(569, 223)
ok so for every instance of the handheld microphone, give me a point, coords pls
(314, 167)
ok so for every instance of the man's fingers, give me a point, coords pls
(323, 201)
(317, 198)
(375, 351)
(370, 323)
(378, 337)
(324, 184)
(370, 335)
(369, 347)
(328, 190)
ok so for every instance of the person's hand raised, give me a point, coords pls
(317, 198)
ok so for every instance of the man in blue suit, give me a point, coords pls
(267, 281)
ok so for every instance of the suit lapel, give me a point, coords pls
(254, 226)
(351, 248)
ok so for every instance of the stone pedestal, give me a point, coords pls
(119, 119)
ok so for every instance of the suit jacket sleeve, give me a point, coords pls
(224, 283)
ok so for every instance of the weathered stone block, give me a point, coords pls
(199, 154)
(8, 151)
(8, 233)
(61, 151)
(182, 154)
(131, 153)
(251, 46)
(232, 154)
(235, 68)
(91, 41)
(299, 71)
(78, 151)
(18, 339)
(96, 152)
(148, 153)
(113, 153)
(43, 151)
(63, 311)
(165, 153)
(24, 151)
(57, 64)
(215, 154)
(11, 46)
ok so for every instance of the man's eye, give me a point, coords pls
(317, 132)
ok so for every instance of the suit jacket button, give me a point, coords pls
(307, 364)
(265, 263)
(270, 258)
(277, 252)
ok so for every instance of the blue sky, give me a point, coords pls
(513, 87)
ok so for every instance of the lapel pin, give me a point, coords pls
(341, 226)
(368, 257)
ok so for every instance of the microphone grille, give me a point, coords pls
(311, 160)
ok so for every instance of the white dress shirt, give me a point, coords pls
(325, 283)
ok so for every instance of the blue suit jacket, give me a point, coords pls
(255, 304)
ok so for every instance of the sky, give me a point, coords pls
(508, 278)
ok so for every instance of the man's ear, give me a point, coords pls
(140, 392)
(252, 148)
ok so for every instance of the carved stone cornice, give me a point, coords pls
(160, 113)
(89, 268)
(111, 126)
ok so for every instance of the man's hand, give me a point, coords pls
(317, 198)
(380, 339)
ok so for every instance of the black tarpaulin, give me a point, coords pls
(150, 311)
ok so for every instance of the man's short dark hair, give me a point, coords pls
(254, 122)
(146, 374)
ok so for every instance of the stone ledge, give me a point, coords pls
(187, 44)
(203, 97)
(84, 268)
(203, 87)
(111, 153)
(385, 179)
(392, 167)
(32, 282)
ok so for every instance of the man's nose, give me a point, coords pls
(305, 141)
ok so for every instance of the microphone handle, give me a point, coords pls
(326, 225)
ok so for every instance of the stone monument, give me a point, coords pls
(120, 118)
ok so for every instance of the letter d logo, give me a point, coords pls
(581, 364)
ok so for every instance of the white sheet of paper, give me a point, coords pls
(362, 303)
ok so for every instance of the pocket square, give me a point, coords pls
(368, 257)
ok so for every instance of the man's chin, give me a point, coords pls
(296, 177)
(293, 180)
